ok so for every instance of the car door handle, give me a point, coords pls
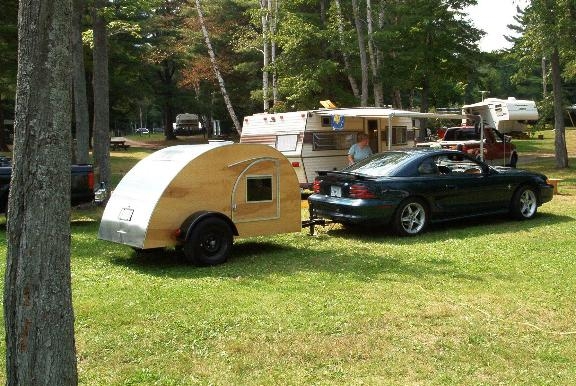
(451, 187)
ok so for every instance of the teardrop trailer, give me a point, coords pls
(198, 197)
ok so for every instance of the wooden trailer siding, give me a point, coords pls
(160, 192)
(208, 184)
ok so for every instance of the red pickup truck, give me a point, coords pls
(497, 147)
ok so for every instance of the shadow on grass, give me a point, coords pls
(359, 259)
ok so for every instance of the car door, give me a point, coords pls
(470, 187)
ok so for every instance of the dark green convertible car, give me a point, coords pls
(409, 189)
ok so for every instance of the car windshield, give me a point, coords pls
(379, 165)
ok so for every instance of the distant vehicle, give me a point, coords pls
(142, 130)
(507, 115)
(81, 183)
(187, 124)
(407, 190)
(497, 147)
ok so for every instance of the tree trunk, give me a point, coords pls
(101, 130)
(265, 53)
(216, 70)
(559, 125)
(82, 149)
(3, 137)
(351, 79)
(38, 315)
(374, 62)
(273, 9)
(363, 56)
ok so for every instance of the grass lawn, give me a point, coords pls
(484, 301)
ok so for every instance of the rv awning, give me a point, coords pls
(388, 113)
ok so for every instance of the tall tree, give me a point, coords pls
(362, 49)
(548, 31)
(216, 69)
(79, 80)
(100, 83)
(38, 313)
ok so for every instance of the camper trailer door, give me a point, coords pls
(255, 195)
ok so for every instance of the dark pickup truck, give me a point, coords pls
(82, 184)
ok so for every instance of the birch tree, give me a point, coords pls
(216, 69)
(38, 315)
(345, 58)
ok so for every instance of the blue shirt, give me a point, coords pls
(359, 153)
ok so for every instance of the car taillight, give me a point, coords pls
(360, 191)
(316, 185)
(91, 180)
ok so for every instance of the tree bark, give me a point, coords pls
(81, 115)
(266, 53)
(351, 79)
(216, 70)
(561, 151)
(101, 126)
(38, 315)
(363, 56)
(374, 62)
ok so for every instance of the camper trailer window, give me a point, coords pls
(258, 188)
(286, 142)
(399, 135)
(333, 140)
(326, 122)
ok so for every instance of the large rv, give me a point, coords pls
(319, 140)
(506, 115)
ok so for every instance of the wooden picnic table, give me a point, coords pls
(118, 143)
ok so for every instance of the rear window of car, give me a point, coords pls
(379, 165)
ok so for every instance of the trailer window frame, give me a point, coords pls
(259, 188)
(286, 142)
(333, 140)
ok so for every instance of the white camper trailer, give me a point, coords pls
(319, 140)
(506, 115)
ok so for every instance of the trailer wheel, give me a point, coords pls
(209, 243)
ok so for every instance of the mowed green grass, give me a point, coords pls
(483, 301)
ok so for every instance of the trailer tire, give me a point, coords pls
(209, 242)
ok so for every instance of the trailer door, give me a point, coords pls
(256, 192)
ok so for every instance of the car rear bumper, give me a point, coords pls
(353, 211)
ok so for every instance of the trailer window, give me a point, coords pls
(333, 140)
(258, 188)
(399, 135)
(286, 142)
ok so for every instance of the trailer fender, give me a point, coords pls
(188, 225)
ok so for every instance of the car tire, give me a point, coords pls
(209, 242)
(524, 204)
(411, 217)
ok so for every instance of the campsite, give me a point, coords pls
(489, 302)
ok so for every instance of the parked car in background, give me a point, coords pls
(408, 190)
(81, 183)
(142, 130)
(497, 147)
